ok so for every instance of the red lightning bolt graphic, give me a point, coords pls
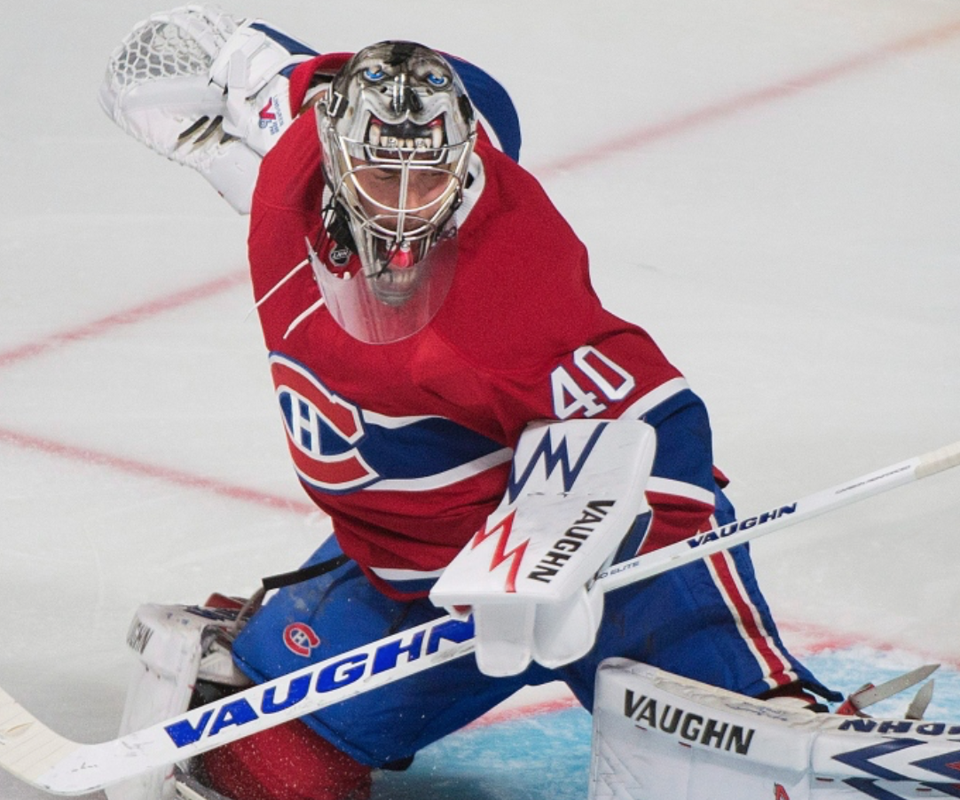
(501, 554)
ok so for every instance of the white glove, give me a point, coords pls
(511, 635)
(205, 90)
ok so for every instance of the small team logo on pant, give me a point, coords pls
(780, 793)
(300, 639)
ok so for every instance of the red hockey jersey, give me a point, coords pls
(407, 445)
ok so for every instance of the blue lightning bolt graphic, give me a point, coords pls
(553, 458)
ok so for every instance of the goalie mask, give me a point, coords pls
(397, 132)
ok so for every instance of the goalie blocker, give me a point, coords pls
(575, 494)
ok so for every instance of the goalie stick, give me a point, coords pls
(744, 530)
(43, 758)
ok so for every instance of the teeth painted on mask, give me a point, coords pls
(374, 134)
(437, 136)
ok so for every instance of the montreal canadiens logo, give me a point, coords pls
(300, 639)
(323, 430)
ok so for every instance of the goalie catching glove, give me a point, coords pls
(205, 90)
(576, 490)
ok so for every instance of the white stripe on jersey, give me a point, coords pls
(393, 423)
(389, 574)
(655, 397)
(448, 478)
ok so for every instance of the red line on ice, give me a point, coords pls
(813, 639)
(632, 140)
(131, 316)
(497, 716)
(667, 129)
(85, 455)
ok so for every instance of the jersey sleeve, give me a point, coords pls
(625, 376)
(681, 489)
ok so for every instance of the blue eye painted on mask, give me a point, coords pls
(374, 75)
(438, 81)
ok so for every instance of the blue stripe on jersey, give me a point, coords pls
(410, 585)
(426, 447)
(288, 43)
(493, 102)
(684, 449)
(339, 447)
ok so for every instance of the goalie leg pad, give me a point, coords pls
(658, 735)
(173, 646)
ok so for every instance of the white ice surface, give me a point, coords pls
(771, 188)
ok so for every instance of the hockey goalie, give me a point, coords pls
(482, 433)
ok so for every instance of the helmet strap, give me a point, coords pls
(336, 221)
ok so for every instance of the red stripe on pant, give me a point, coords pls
(777, 668)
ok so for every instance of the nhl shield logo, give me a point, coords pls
(340, 257)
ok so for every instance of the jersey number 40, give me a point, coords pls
(594, 370)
